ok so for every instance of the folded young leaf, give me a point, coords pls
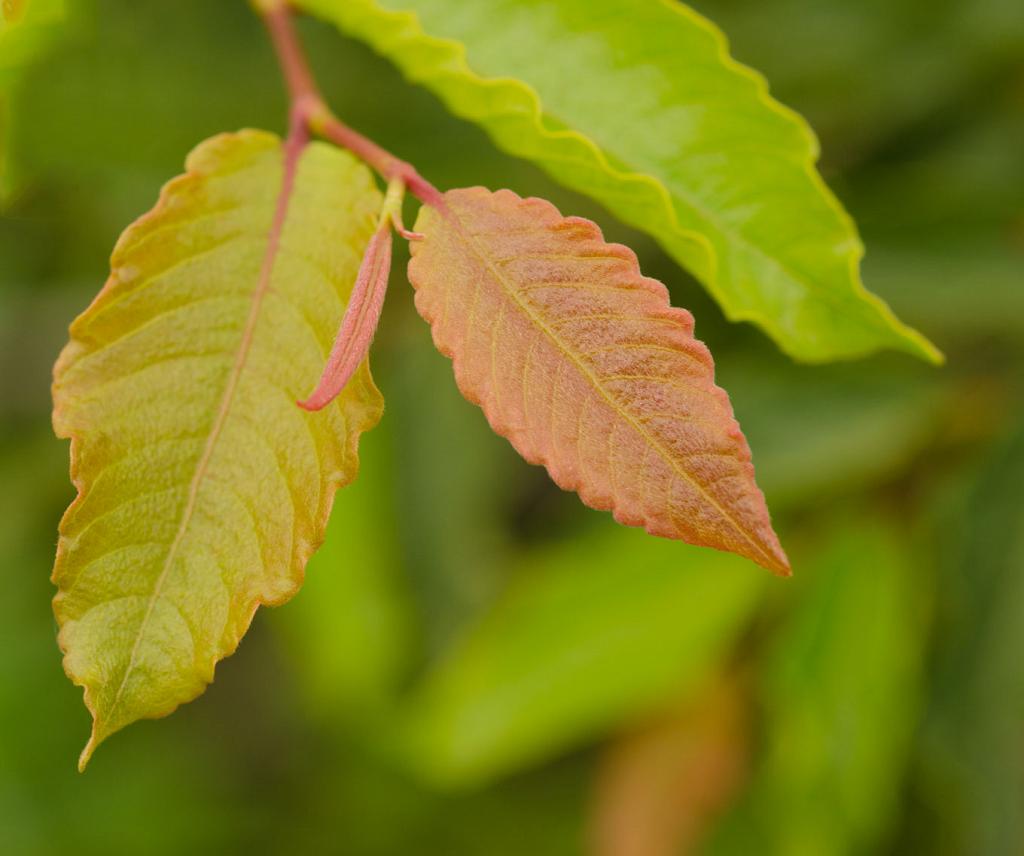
(638, 104)
(362, 315)
(581, 362)
(203, 489)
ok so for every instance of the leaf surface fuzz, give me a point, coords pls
(580, 361)
(203, 489)
(639, 104)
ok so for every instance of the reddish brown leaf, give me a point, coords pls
(582, 364)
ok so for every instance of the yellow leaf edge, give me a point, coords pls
(400, 36)
(196, 163)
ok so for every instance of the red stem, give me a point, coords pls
(308, 103)
(385, 163)
(290, 55)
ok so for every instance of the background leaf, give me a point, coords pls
(581, 362)
(638, 104)
(857, 428)
(351, 629)
(203, 488)
(662, 786)
(27, 29)
(590, 631)
(841, 689)
(969, 775)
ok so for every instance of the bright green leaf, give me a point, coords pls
(203, 488)
(593, 630)
(637, 103)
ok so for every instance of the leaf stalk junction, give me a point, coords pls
(310, 115)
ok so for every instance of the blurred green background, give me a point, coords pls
(478, 664)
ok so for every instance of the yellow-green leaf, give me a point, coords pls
(203, 488)
(638, 104)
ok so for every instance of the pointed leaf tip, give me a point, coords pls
(583, 365)
(86, 755)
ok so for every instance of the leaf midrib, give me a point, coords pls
(290, 164)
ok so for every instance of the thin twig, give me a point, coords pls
(308, 102)
(386, 164)
(290, 55)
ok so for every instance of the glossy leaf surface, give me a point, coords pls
(580, 361)
(203, 489)
(638, 104)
